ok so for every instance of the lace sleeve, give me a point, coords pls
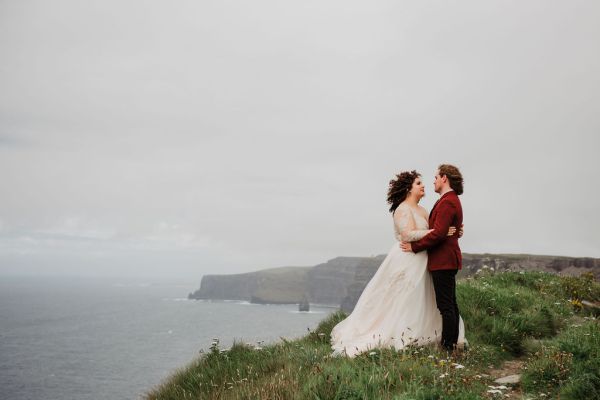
(404, 225)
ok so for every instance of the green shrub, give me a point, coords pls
(323, 331)
(570, 363)
(548, 369)
(507, 309)
(583, 287)
(584, 386)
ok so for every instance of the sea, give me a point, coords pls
(105, 338)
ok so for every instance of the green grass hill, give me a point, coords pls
(541, 326)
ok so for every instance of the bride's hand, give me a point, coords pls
(452, 231)
(406, 247)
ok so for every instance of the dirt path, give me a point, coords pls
(509, 368)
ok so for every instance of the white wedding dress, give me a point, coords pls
(397, 307)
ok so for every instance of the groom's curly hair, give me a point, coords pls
(454, 177)
(399, 188)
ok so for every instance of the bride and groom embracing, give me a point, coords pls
(411, 299)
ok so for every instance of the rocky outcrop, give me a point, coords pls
(341, 280)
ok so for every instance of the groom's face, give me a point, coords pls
(437, 182)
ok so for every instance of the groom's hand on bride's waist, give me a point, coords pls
(405, 246)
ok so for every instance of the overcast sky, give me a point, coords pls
(192, 137)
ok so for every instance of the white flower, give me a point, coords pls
(444, 375)
(458, 366)
(372, 353)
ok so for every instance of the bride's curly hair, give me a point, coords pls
(399, 188)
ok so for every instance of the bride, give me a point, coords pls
(397, 307)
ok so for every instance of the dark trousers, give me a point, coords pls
(444, 283)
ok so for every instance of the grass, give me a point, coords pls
(535, 317)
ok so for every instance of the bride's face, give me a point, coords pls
(418, 188)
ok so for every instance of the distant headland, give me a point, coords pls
(340, 281)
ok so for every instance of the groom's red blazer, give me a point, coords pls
(442, 250)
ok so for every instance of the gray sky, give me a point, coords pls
(181, 138)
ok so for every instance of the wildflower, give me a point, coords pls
(458, 366)
(444, 375)
(372, 353)
(576, 303)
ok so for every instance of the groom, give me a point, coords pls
(444, 256)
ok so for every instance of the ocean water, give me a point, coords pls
(85, 338)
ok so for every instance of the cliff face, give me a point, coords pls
(340, 281)
(328, 283)
(364, 273)
(522, 262)
(277, 285)
(226, 287)
(325, 283)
